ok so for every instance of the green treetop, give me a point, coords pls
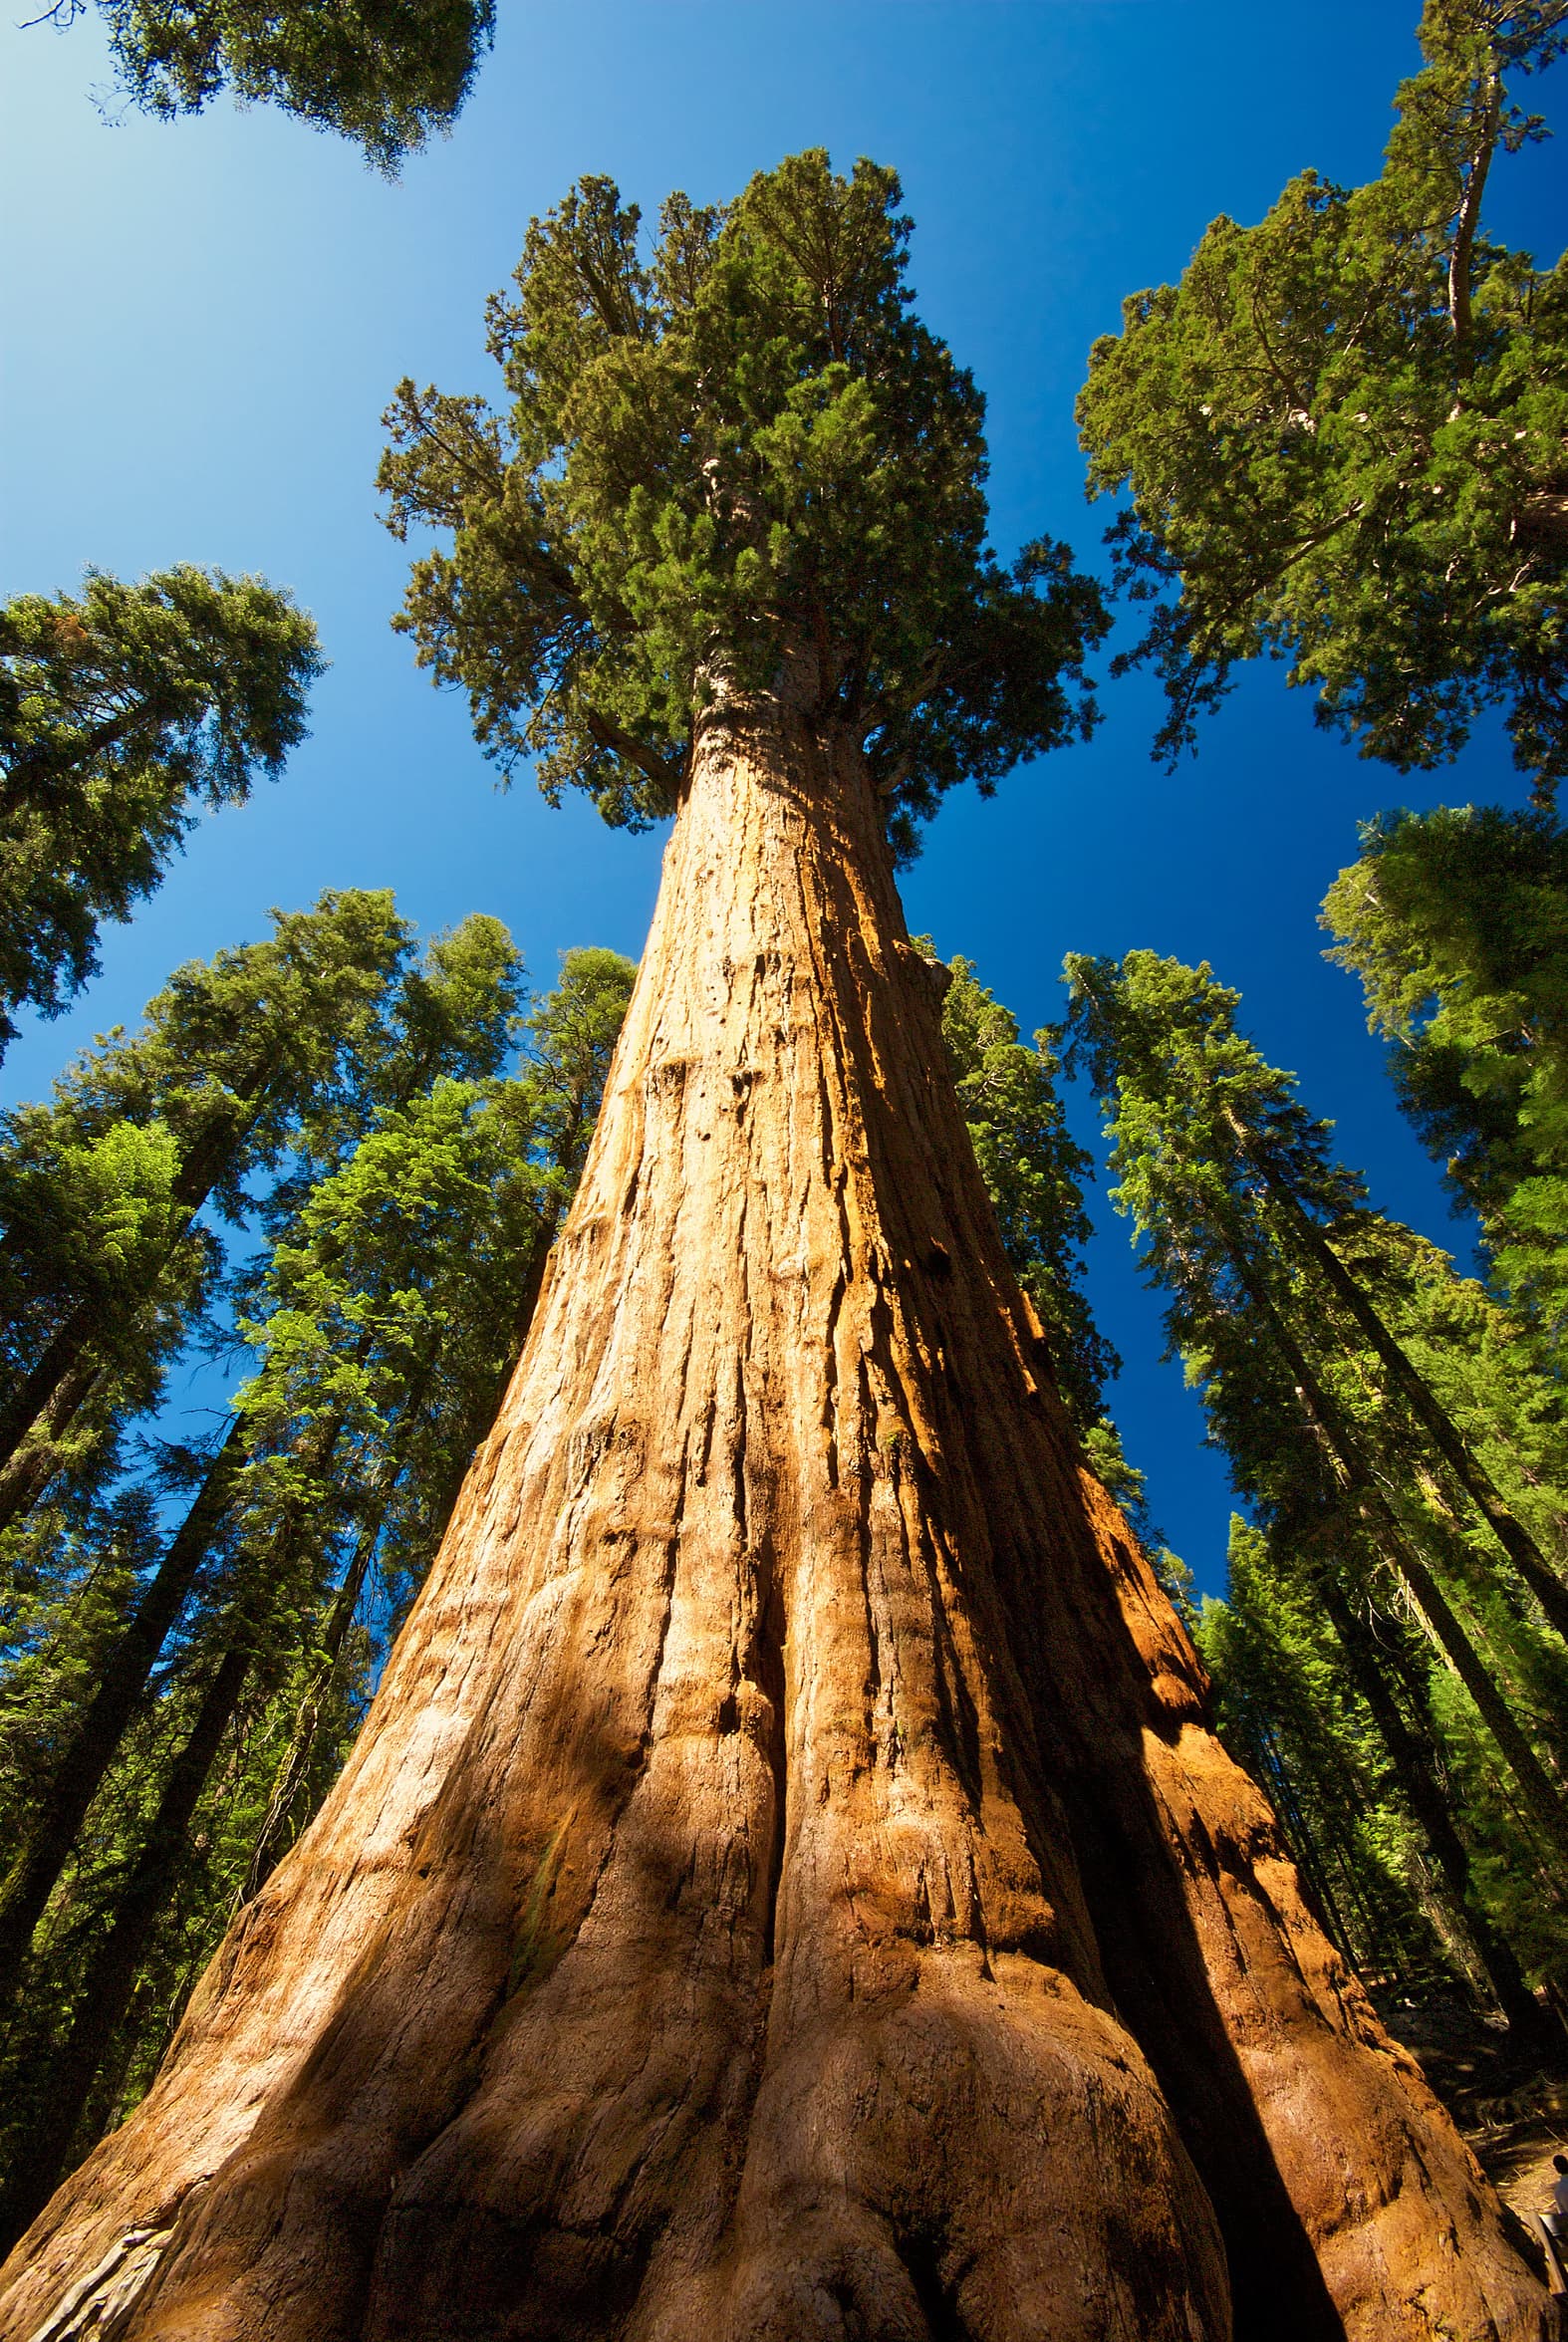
(122, 715)
(1456, 923)
(1343, 432)
(728, 448)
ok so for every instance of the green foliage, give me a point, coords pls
(733, 451)
(121, 713)
(256, 1061)
(1343, 434)
(69, 1585)
(1033, 1172)
(384, 73)
(1456, 923)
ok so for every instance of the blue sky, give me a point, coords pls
(204, 320)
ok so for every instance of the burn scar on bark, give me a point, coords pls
(99, 2306)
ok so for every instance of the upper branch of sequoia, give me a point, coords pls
(729, 448)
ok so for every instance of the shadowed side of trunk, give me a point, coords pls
(786, 1886)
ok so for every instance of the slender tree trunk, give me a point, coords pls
(88, 1754)
(1520, 1547)
(111, 1972)
(34, 1461)
(1545, 1807)
(1410, 1762)
(1273, 1769)
(33, 1395)
(787, 1886)
(63, 1804)
(295, 1767)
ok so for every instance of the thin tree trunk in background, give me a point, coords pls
(33, 1464)
(128, 1669)
(1520, 1547)
(31, 1399)
(1421, 1793)
(111, 1972)
(1545, 1807)
(1304, 1846)
(787, 1886)
(293, 1771)
(122, 1678)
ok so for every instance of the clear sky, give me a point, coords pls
(203, 322)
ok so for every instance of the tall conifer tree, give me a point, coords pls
(1328, 1343)
(108, 1193)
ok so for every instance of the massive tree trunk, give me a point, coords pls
(787, 1886)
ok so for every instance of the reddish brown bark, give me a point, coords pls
(787, 1886)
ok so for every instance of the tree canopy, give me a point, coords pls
(731, 447)
(268, 1058)
(1342, 435)
(123, 712)
(383, 72)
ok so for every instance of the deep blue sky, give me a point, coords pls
(204, 320)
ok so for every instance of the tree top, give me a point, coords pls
(728, 444)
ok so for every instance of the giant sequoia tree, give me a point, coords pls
(787, 1884)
